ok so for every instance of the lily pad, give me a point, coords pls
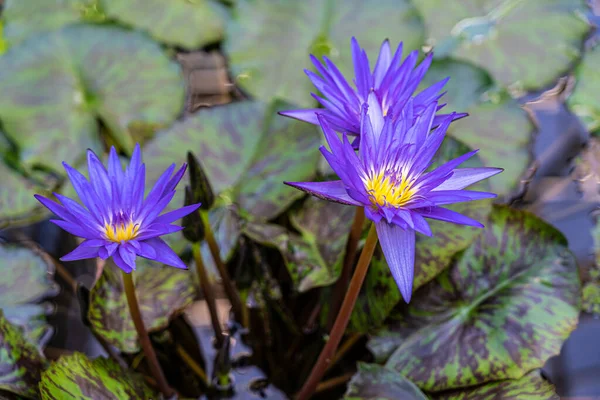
(27, 18)
(188, 24)
(163, 292)
(17, 204)
(26, 281)
(76, 376)
(501, 310)
(501, 130)
(584, 101)
(375, 382)
(268, 42)
(590, 300)
(524, 44)
(531, 387)
(55, 88)
(314, 257)
(20, 361)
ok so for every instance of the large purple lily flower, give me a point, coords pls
(115, 220)
(388, 178)
(392, 82)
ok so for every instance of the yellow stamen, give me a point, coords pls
(121, 232)
(385, 191)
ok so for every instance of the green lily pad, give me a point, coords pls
(3, 45)
(501, 130)
(314, 257)
(17, 204)
(27, 18)
(20, 361)
(524, 44)
(56, 86)
(466, 87)
(531, 387)
(267, 53)
(375, 382)
(76, 376)
(26, 281)
(590, 297)
(501, 310)
(162, 292)
(584, 101)
(188, 24)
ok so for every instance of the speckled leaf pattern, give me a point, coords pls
(501, 131)
(26, 281)
(376, 382)
(526, 44)
(502, 309)
(17, 205)
(76, 376)
(584, 101)
(56, 86)
(466, 87)
(187, 24)
(530, 387)
(314, 257)
(162, 292)
(20, 361)
(27, 18)
(268, 42)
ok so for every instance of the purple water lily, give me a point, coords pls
(392, 82)
(388, 178)
(115, 220)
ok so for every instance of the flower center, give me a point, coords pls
(121, 232)
(386, 190)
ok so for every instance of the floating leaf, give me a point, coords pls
(2, 40)
(267, 53)
(162, 291)
(503, 308)
(375, 382)
(188, 24)
(20, 361)
(590, 300)
(527, 44)
(17, 204)
(314, 257)
(584, 101)
(26, 280)
(531, 387)
(76, 376)
(502, 131)
(55, 86)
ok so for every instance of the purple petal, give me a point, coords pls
(56, 208)
(444, 214)
(98, 175)
(332, 190)
(308, 115)
(115, 172)
(108, 250)
(164, 254)
(174, 215)
(85, 192)
(463, 177)
(420, 224)
(398, 246)
(146, 251)
(174, 181)
(136, 160)
(441, 197)
(121, 263)
(127, 254)
(76, 230)
(83, 251)
(383, 62)
(155, 230)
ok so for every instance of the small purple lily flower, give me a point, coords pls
(388, 178)
(392, 82)
(115, 220)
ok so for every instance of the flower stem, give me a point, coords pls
(134, 310)
(342, 284)
(209, 295)
(342, 318)
(234, 297)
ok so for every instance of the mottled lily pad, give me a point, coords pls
(314, 257)
(267, 52)
(162, 291)
(56, 86)
(20, 361)
(26, 281)
(531, 387)
(501, 310)
(501, 130)
(76, 376)
(188, 24)
(375, 382)
(526, 44)
(17, 204)
(26, 18)
(585, 101)
(590, 297)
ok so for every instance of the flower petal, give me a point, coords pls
(444, 214)
(441, 197)
(75, 229)
(121, 263)
(82, 252)
(398, 246)
(331, 190)
(165, 254)
(463, 177)
(309, 115)
(174, 215)
(127, 253)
